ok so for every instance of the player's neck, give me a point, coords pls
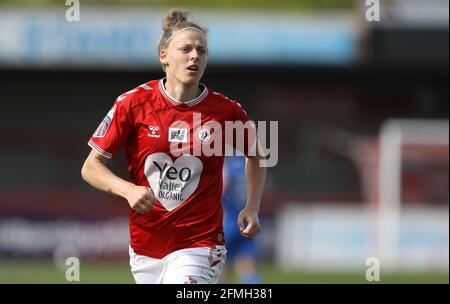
(180, 91)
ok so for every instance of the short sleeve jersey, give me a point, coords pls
(160, 136)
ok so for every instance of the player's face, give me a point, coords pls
(185, 57)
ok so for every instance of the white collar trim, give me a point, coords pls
(190, 103)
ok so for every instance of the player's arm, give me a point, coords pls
(255, 177)
(96, 173)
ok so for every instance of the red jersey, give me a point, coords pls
(188, 187)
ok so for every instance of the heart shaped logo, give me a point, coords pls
(172, 182)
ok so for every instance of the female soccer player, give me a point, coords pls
(176, 233)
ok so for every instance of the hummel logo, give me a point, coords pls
(154, 131)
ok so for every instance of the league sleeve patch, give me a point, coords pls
(104, 125)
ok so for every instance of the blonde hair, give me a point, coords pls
(173, 22)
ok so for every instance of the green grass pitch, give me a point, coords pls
(118, 272)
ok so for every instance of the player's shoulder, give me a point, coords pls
(222, 99)
(228, 105)
(140, 94)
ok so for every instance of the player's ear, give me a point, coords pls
(163, 57)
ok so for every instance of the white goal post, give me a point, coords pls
(393, 135)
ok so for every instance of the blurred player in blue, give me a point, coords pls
(241, 251)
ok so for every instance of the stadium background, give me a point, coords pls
(331, 79)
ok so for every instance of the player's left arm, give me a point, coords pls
(255, 174)
(255, 177)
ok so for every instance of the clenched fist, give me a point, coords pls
(250, 218)
(141, 199)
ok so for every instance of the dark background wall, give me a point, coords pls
(47, 116)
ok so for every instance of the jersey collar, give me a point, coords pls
(175, 102)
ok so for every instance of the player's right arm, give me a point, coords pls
(106, 140)
(96, 173)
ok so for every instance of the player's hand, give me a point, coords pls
(141, 199)
(249, 218)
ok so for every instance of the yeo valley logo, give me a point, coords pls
(172, 182)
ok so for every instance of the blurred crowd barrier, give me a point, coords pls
(342, 236)
(126, 38)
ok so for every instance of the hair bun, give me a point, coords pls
(173, 18)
